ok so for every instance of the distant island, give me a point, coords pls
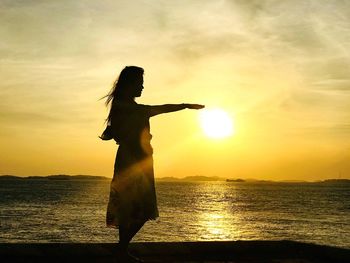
(94, 177)
(196, 178)
(190, 178)
(336, 181)
(54, 177)
(235, 180)
(200, 178)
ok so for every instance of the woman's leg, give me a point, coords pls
(127, 232)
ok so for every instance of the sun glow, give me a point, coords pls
(216, 123)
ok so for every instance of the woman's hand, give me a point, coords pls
(194, 106)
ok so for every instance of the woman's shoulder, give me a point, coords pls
(122, 105)
(130, 108)
(126, 104)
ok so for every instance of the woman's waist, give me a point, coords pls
(135, 148)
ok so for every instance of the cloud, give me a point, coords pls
(339, 85)
(327, 132)
(328, 74)
(32, 118)
(284, 64)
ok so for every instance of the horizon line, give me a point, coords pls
(210, 178)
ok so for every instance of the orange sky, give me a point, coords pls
(279, 68)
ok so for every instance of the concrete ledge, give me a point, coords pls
(225, 251)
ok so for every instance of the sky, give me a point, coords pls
(280, 69)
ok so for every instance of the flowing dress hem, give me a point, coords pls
(116, 226)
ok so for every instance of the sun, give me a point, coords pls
(216, 123)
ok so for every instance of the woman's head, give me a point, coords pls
(128, 85)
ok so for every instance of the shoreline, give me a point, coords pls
(171, 179)
(209, 251)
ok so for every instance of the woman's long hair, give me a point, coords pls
(121, 87)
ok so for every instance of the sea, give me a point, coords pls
(45, 211)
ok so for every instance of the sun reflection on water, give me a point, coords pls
(216, 221)
(214, 224)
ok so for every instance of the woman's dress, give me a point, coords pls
(132, 192)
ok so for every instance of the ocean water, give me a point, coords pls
(41, 210)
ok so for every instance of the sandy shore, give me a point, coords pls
(226, 251)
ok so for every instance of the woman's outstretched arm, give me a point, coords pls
(160, 109)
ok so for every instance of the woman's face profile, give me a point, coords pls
(138, 86)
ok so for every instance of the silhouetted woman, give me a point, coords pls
(132, 199)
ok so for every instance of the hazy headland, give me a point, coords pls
(195, 178)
